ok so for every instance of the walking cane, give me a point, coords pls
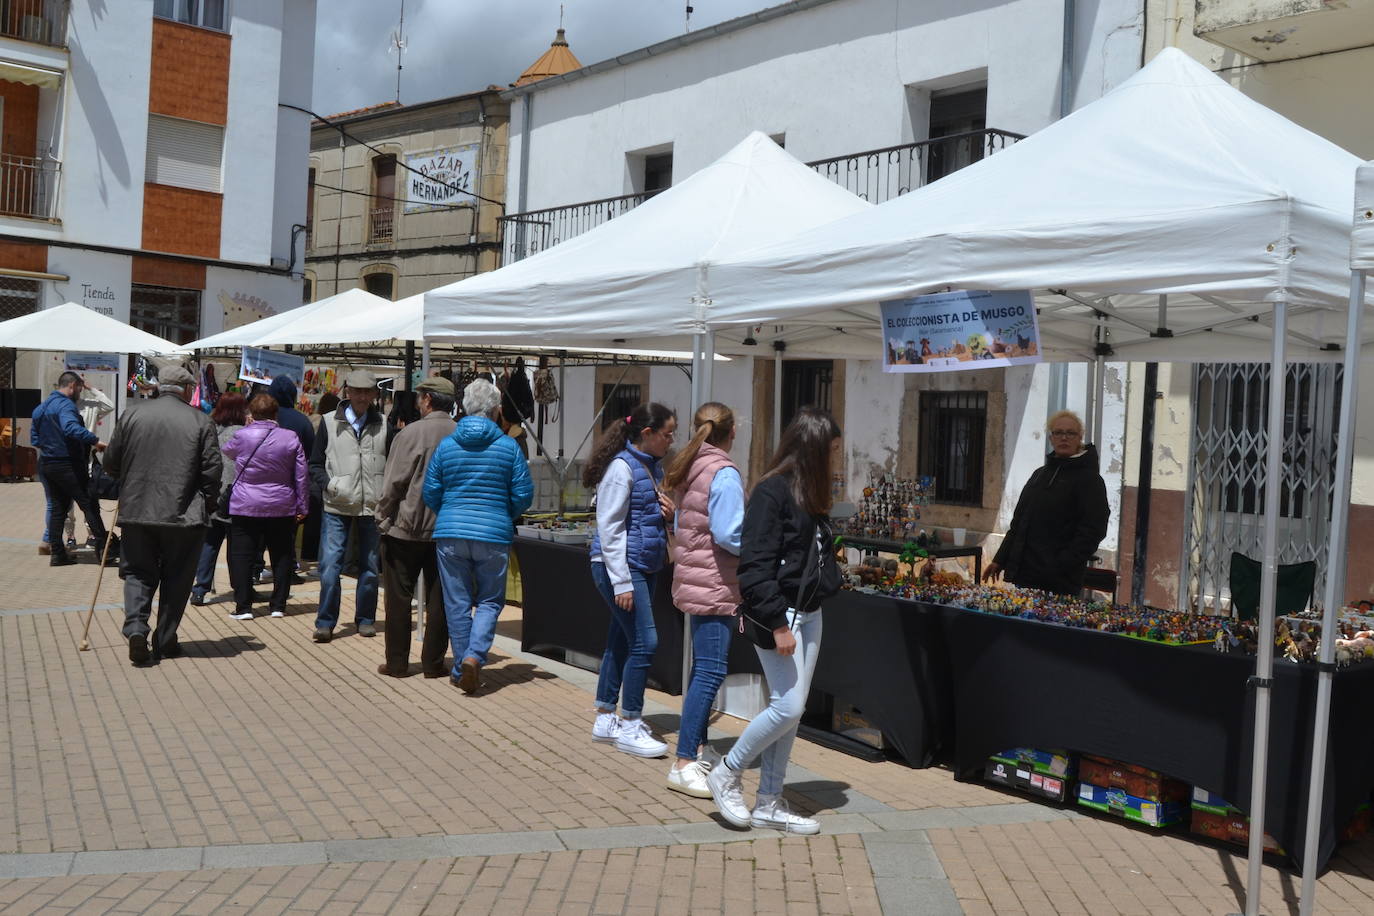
(104, 554)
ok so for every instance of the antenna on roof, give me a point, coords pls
(690, 11)
(398, 44)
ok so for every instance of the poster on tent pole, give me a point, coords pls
(963, 329)
(262, 366)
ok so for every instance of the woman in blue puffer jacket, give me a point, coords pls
(478, 483)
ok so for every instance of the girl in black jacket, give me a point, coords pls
(786, 570)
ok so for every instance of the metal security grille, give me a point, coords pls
(953, 432)
(1225, 509)
(170, 313)
(17, 299)
(619, 401)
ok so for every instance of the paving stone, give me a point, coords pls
(615, 837)
(36, 865)
(264, 855)
(127, 861)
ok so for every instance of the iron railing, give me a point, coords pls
(524, 234)
(879, 175)
(875, 175)
(381, 226)
(29, 186)
(41, 21)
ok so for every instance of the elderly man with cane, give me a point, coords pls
(166, 456)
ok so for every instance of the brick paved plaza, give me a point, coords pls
(261, 773)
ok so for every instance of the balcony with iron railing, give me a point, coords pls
(40, 21)
(381, 227)
(875, 175)
(29, 186)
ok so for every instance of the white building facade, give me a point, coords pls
(881, 95)
(150, 170)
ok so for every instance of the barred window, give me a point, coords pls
(953, 430)
(173, 314)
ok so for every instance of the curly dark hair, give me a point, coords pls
(624, 430)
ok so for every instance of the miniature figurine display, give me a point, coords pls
(1295, 638)
(891, 508)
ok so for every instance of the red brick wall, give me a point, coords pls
(166, 272)
(190, 73)
(24, 256)
(181, 221)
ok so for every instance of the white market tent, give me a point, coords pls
(329, 319)
(72, 327)
(1173, 184)
(640, 276)
(1174, 219)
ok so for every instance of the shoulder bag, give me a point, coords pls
(222, 510)
(761, 634)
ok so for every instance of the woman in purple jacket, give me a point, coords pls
(270, 495)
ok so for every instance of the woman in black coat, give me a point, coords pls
(1060, 517)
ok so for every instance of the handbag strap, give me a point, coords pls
(239, 475)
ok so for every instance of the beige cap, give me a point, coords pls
(437, 385)
(360, 379)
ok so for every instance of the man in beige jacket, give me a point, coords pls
(347, 464)
(406, 525)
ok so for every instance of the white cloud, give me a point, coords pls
(460, 46)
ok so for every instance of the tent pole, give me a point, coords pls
(1335, 586)
(1262, 680)
(562, 393)
(410, 365)
(1100, 391)
(14, 413)
(708, 367)
(698, 370)
(777, 398)
(424, 359)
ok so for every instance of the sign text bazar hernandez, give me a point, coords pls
(441, 178)
(963, 329)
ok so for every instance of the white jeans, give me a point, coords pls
(770, 735)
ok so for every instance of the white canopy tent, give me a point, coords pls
(333, 317)
(642, 275)
(72, 327)
(1174, 219)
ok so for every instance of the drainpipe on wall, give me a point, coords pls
(526, 123)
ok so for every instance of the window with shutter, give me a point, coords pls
(184, 154)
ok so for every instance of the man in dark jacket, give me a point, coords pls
(1060, 517)
(63, 442)
(288, 417)
(406, 525)
(166, 456)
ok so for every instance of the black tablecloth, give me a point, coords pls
(563, 610)
(1182, 711)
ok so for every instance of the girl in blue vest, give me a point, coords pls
(627, 554)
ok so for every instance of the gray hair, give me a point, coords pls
(481, 398)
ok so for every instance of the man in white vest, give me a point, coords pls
(347, 466)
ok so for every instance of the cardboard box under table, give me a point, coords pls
(1044, 773)
(1131, 807)
(1136, 781)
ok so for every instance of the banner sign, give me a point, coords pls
(93, 362)
(447, 177)
(965, 329)
(262, 366)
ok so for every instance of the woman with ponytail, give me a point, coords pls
(710, 497)
(628, 552)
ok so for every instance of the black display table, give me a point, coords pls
(563, 610)
(946, 684)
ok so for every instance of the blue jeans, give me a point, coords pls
(770, 735)
(710, 645)
(631, 643)
(473, 574)
(47, 496)
(333, 548)
(209, 553)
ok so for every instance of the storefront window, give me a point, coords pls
(170, 313)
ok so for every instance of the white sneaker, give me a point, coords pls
(691, 779)
(278, 613)
(635, 738)
(772, 812)
(246, 615)
(726, 789)
(606, 728)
